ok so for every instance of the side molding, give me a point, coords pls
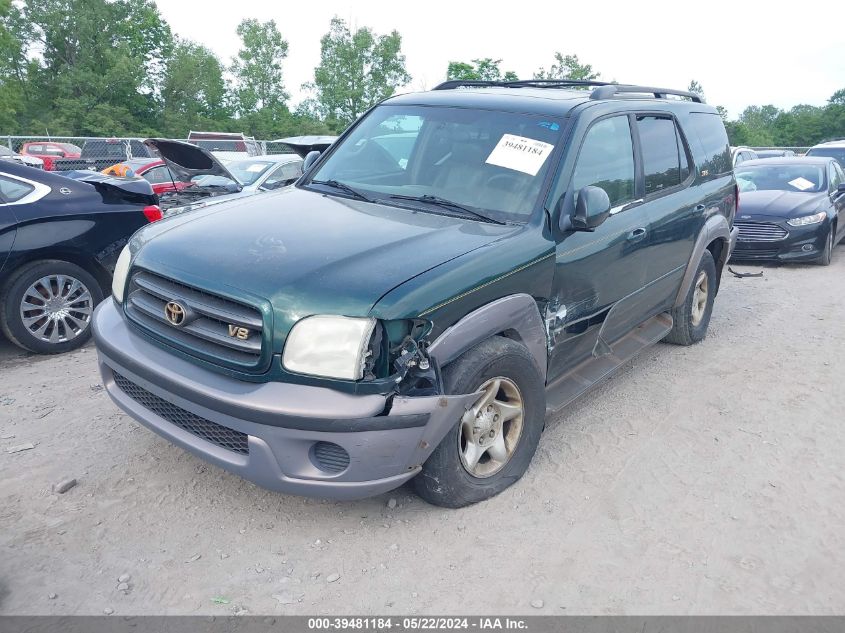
(716, 227)
(517, 312)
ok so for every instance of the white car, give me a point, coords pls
(742, 154)
(23, 159)
(213, 182)
(831, 149)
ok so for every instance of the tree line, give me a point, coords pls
(115, 68)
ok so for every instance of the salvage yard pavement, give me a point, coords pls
(708, 479)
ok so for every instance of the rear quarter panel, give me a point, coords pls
(78, 227)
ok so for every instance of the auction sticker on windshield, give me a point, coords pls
(802, 183)
(520, 154)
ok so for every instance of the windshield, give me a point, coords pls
(245, 171)
(806, 178)
(830, 152)
(493, 162)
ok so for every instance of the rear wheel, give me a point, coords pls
(492, 444)
(46, 307)
(692, 317)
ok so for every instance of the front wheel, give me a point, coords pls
(692, 317)
(492, 444)
(827, 253)
(46, 307)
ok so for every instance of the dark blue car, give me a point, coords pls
(790, 209)
(59, 239)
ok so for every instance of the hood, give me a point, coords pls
(780, 204)
(305, 252)
(187, 161)
(304, 144)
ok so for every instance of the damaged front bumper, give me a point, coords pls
(304, 440)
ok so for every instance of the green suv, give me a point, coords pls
(459, 264)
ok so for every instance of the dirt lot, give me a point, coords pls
(698, 480)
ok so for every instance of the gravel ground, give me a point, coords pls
(698, 480)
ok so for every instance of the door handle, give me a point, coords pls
(699, 208)
(636, 234)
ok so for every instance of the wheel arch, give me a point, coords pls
(88, 263)
(715, 236)
(516, 317)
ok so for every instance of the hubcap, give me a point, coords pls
(491, 429)
(56, 308)
(699, 298)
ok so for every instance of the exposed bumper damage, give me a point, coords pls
(292, 438)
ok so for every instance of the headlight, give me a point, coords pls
(807, 219)
(121, 270)
(329, 346)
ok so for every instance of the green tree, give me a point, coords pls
(12, 65)
(98, 66)
(568, 67)
(485, 69)
(838, 97)
(258, 66)
(356, 71)
(194, 93)
(695, 88)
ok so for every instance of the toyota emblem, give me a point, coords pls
(175, 313)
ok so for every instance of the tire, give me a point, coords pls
(74, 293)
(827, 253)
(692, 317)
(446, 478)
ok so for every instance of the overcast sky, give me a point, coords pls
(742, 52)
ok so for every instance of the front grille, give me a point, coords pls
(211, 324)
(330, 457)
(754, 253)
(760, 232)
(221, 436)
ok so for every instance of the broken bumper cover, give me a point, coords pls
(304, 440)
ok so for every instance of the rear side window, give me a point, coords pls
(663, 154)
(606, 160)
(708, 134)
(13, 190)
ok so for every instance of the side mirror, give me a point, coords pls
(591, 209)
(310, 158)
(841, 188)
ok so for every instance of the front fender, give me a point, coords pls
(515, 314)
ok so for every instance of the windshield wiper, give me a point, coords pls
(342, 186)
(447, 204)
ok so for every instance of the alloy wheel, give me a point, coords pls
(491, 429)
(56, 308)
(699, 298)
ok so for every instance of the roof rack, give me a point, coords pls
(609, 90)
(521, 83)
(603, 89)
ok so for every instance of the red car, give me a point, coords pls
(48, 151)
(151, 169)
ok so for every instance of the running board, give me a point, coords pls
(581, 378)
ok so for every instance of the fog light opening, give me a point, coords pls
(329, 457)
(807, 248)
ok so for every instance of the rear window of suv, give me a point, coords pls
(714, 153)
